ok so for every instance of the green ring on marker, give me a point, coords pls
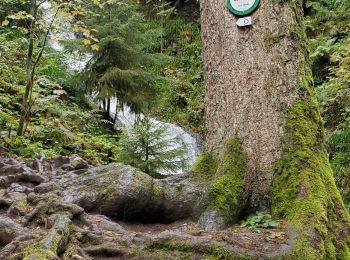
(243, 13)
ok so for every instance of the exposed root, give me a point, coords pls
(9, 230)
(74, 216)
(28, 217)
(53, 243)
(15, 245)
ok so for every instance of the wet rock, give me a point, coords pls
(9, 168)
(79, 171)
(16, 187)
(14, 196)
(27, 176)
(5, 202)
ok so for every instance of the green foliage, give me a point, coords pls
(123, 65)
(180, 98)
(259, 220)
(335, 96)
(327, 28)
(60, 124)
(148, 148)
(329, 32)
(118, 67)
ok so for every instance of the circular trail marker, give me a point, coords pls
(242, 7)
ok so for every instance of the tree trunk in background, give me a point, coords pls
(25, 110)
(108, 111)
(264, 143)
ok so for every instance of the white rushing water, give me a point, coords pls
(76, 62)
(62, 31)
(173, 132)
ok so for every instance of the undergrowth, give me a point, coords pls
(62, 122)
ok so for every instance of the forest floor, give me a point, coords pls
(35, 224)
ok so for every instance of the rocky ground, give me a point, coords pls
(65, 208)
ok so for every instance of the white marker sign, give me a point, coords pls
(244, 21)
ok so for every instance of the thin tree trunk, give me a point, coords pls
(104, 104)
(116, 113)
(31, 66)
(108, 111)
(265, 137)
(29, 70)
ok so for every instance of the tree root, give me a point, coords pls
(52, 244)
(14, 246)
(74, 217)
(9, 230)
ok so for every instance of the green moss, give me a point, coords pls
(109, 192)
(304, 191)
(205, 167)
(281, 58)
(224, 177)
(271, 39)
(41, 255)
(37, 252)
(206, 250)
(228, 185)
(49, 246)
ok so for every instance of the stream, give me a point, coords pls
(76, 62)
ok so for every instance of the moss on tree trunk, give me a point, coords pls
(259, 90)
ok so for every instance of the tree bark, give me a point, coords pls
(261, 114)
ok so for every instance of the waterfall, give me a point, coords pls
(190, 141)
(76, 63)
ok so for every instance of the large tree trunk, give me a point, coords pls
(251, 81)
(264, 130)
